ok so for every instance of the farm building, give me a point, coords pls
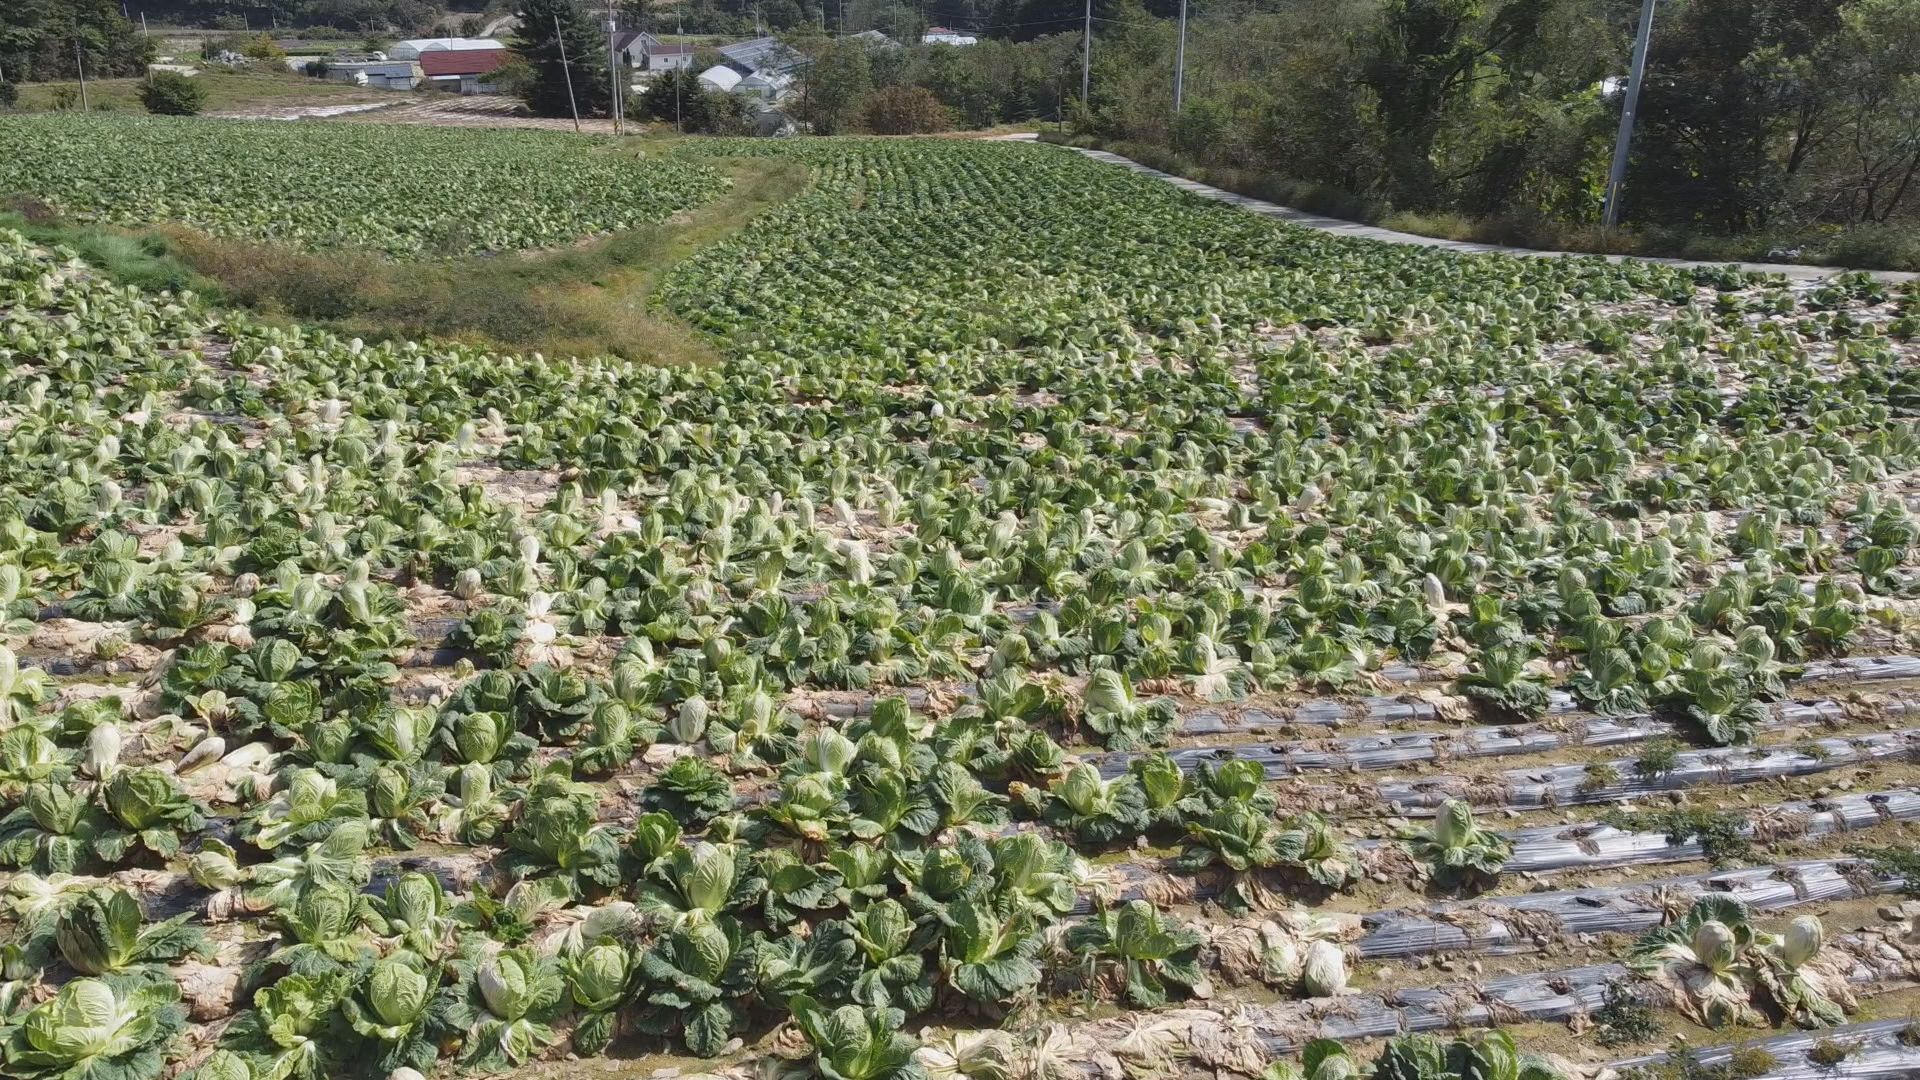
(761, 54)
(378, 74)
(940, 35)
(765, 85)
(415, 48)
(462, 70)
(720, 77)
(874, 39)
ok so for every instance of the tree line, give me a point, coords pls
(1783, 117)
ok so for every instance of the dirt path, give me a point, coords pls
(482, 111)
(1389, 236)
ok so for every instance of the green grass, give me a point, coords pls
(226, 90)
(146, 261)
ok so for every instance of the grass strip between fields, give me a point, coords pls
(588, 299)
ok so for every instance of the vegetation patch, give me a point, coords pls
(400, 191)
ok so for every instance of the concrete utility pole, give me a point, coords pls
(679, 74)
(566, 71)
(613, 70)
(1180, 61)
(1617, 175)
(1086, 55)
(81, 63)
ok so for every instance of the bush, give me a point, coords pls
(906, 110)
(262, 47)
(9, 95)
(170, 93)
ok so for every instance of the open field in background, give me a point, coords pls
(399, 192)
(226, 90)
(580, 295)
(1124, 635)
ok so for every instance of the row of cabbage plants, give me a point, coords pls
(1057, 451)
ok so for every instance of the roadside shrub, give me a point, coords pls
(9, 95)
(906, 110)
(1883, 247)
(169, 93)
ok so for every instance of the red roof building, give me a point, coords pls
(448, 63)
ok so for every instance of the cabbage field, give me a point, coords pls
(404, 191)
(1080, 632)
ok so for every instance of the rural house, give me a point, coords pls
(632, 45)
(670, 58)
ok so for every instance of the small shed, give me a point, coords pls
(940, 35)
(378, 74)
(720, 77)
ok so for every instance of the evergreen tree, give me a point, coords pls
(544, 26)
(38, 40)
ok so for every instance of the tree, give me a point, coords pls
(1730, 112)
(835, 85)
(680, 95)
(1424, 58)
(1871, 88)
(261, 46)
(544, 26)
(906, 110)
(38, 39)
(170, 93)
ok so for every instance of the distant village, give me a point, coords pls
(762, 69)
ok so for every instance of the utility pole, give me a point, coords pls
(1617, 175)
(679, 73)
(613, 70)
(566, 71)
(1086, 55)
(80, 62)
(1180, 61)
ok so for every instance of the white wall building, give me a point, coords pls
(413, 47)
(940, 35)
